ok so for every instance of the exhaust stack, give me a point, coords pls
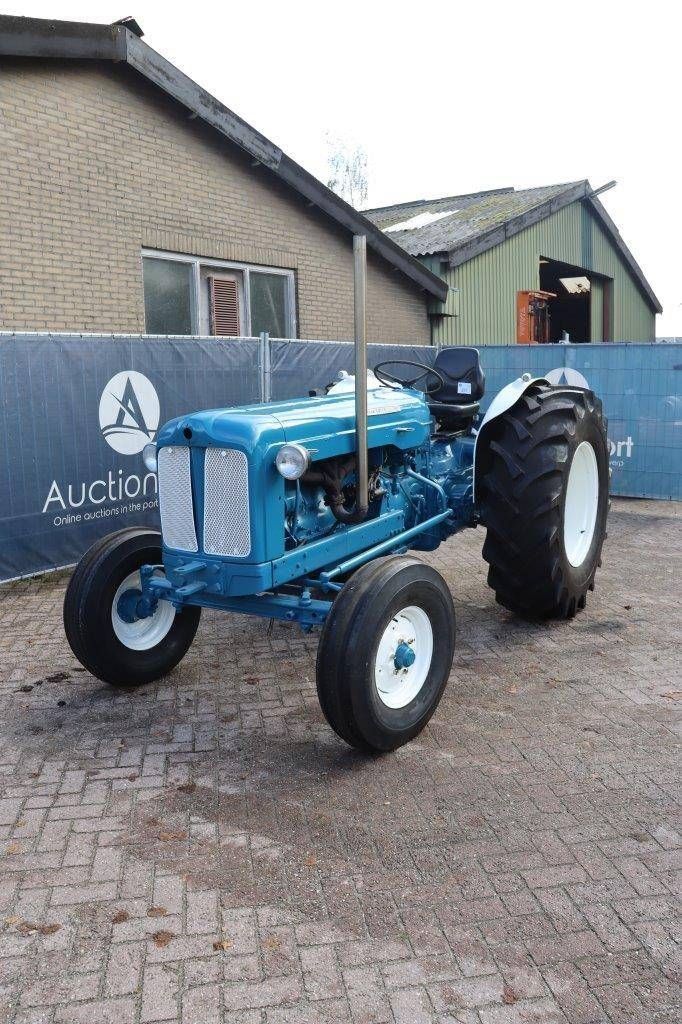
(360, 301)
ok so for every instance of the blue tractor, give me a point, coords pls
(311, 511)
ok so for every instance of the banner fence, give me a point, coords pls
(76, 411)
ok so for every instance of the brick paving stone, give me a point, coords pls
(105, 1011)
(411, 1006)
(34, 1016)
(368, 1002)
(471, 952)
(470, 993)
(273, 992)
(201, 1005)
(159, 994)
(124, 969)
(521, 975)
(569, 946)
(321, 975)
(610, 929)
(331, 1011)
(204, 850)
(525, 1011)
(570, 990)
(51, 991)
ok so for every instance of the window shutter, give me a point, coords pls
(224, 306)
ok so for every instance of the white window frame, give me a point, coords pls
(246, 269)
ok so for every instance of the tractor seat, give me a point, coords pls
(457, 401)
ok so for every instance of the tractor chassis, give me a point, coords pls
(191, 584)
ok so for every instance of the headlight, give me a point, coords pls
(292, 460)
(149, 457)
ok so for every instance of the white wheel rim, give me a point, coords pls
(397, 687)
(581, 504)
(142, 634)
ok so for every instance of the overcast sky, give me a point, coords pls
(450, 97)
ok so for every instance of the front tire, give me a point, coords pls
(113, 645)
(544, 501)
(385, 653)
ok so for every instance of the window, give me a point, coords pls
(167, 297)
(268, 301)
(188, 295)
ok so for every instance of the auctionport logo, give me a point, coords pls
(129, 412)
(619, 449)
(567, 375)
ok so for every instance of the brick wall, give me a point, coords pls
(97, 163)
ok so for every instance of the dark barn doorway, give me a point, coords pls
(570, 311)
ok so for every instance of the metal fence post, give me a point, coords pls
(267, 374)
(264, 367)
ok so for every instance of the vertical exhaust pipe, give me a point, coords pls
(360, 302)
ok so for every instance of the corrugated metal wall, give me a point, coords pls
(597, 311)
(488, 283)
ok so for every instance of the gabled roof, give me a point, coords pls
(121, 42)
(462, 227)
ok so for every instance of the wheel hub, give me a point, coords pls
(403, 657)
(139, 622)
(133, 605)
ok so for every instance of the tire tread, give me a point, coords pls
(522, 491)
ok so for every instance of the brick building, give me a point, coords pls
(133, 201)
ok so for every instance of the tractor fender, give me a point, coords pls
(503, 400)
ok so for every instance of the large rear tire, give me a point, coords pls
(385, 653)
(544, 500)
(108, 640)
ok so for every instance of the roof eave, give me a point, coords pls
(38, 37)
(32, 37)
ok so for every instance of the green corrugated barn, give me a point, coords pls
(546, 260)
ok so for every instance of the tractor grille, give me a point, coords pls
(227, 526)
(175, 499)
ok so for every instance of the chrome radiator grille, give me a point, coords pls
(227, 525)
(175, 499)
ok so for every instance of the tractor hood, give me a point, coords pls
(325, 425)
(220, 492)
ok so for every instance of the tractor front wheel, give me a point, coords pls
(109, 628)
(544, 500)
(385, 653)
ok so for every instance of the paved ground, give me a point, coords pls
(205, 850)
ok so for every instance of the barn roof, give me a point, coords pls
(464, 226)
(121, 43)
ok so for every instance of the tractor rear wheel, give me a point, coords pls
(385, 653)
(543, 496)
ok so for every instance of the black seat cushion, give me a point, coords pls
(451, 414)
(464, 378)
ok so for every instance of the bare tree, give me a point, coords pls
(347, 171)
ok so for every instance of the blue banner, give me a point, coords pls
(641, 390)
(75, 414)
(76, 411)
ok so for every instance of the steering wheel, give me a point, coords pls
(388, 379)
